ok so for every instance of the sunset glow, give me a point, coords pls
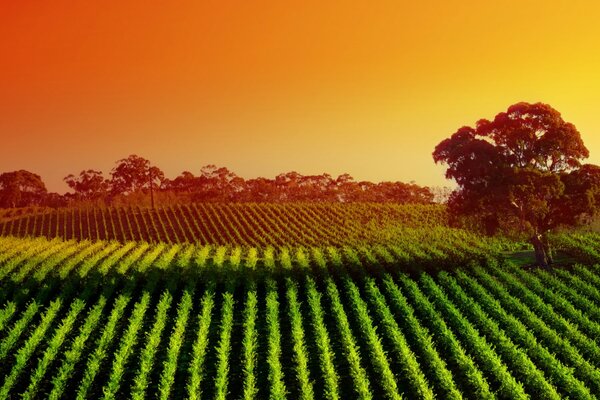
(269, 87)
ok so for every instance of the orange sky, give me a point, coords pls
(268, 87)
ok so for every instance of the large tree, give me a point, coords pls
(216, 184)
(523, 168)
(21, 189)
(89, 185)
(134, 174)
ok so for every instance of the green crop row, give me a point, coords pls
(103, 319)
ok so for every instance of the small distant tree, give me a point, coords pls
(55, 200)
(21, 189)
(136, 174)
(523, 168)
(184, 183)
(215, 184)
(261, 190)
(89, 185)
(404, 193)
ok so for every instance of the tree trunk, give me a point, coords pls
(547, 249)
(151, 195)
(541, 257)
(151, 191)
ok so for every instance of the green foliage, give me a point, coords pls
(245, 225)
(90, 320)
(277, 386)
(298, 337)
(250, 344)
(224, 347)
(197, 365)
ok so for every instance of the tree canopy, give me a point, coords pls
(89, 185)
(135, 180)
(21, 189)
(133, 174)
(522, 169)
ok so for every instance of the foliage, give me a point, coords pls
(21, 189)
(247, 224)
(133, 174)
(523, 168)
(100, 319)
(89, 185)
(135, 181)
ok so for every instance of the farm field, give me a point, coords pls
(300, 201)
(82, 319)
(244, 224)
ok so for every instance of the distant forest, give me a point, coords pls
(134, 180)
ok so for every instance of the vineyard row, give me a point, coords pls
(108, 320)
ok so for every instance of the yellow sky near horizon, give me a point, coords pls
(367, 88)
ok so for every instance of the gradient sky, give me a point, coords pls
(264, 87)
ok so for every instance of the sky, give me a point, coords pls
(263, 87)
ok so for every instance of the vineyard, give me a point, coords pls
(95, 319)
(244, 224)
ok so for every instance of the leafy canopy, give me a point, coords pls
(135, 173)
(523, 166)
(90, 184)
(21, 189)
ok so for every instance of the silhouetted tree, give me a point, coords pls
(21, 189)
(285, 185)
(261, 190)
(219, 184)
(523, 166)
(184, 183)
(215, 184)
(55, 200)
(89, 185)
(133, 174)
(134, 177)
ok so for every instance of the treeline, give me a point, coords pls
(134, 180)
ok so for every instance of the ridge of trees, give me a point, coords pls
(135, 179)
